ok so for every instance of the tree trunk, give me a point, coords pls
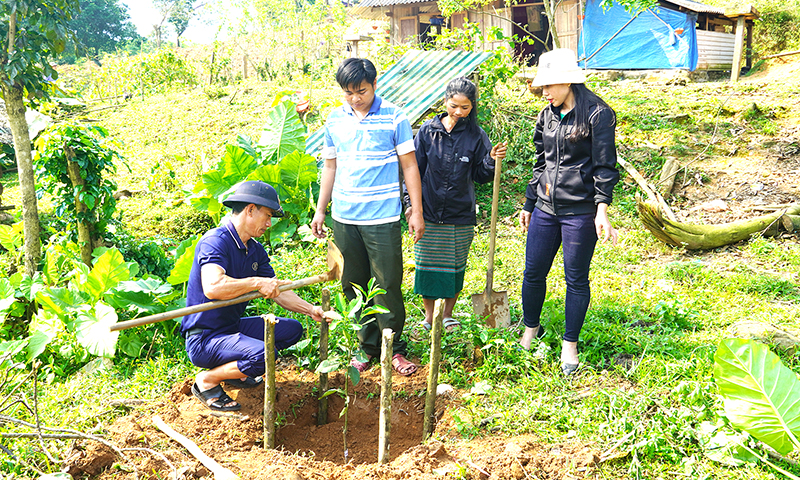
(550, 11)
(84, 227)
(15, 108)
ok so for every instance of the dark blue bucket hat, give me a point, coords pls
(258, 193)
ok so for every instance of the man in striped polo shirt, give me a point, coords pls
(367, 141)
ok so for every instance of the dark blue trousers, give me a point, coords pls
(244, 345)
(546, 233)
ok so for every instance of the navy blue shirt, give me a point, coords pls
(222, 246)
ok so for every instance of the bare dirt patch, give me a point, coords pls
(308, 451)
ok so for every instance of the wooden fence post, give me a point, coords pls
(385, 421)
(269, 387)
(433, 372)
(322, 414)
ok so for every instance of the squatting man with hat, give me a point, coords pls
(229, 262)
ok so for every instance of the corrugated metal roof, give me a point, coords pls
(696, 6)
(416, 82)
(384, 3)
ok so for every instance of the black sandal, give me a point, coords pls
(249, 382)
(221, 402)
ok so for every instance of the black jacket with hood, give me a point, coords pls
(571, 178)
(449, 164)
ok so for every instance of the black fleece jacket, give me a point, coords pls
(449, 164)
(571, 178)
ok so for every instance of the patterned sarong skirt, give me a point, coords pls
(441, 259)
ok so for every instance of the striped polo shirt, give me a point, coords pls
(366, 190)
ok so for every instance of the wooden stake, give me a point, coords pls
(322, 414)
(433, 372)
(220, 472)
(269, 392)
(385, 421)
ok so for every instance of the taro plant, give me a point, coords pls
(278, 159)
(74, 305)
(761, 396)
(346, 330)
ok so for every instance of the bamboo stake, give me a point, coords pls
(322, 414)
(385, 421)
(269, 387)
(433, 372)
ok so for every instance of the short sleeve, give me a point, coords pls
(210, 251)
(403, 138)
(328, 147)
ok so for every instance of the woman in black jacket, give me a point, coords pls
(453, 153)
(567, 199)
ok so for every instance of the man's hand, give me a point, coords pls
(318, 225)
(319, 315)
(416, 225)
(525, 219)
(269, 286)
(499, 151)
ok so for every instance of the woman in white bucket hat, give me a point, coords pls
(568, 196)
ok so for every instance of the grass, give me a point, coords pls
(656, 316)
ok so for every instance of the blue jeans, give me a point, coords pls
(545, 234)
(244, 345)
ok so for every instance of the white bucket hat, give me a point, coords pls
(558, 66)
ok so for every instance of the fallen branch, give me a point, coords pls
(220, 472)
(705, 237)
(652, 194)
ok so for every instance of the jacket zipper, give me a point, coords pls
(558, 163)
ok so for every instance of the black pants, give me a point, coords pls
(374, 251)
(545, 234)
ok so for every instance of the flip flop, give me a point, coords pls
(450, 324)
(221, 399)
(402, 366)
(249, 382)
(569, 368)
(360, 366)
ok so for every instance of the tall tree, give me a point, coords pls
(31, 33)
(178, 13)
(102, 25)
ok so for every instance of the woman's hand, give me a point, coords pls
(499, 151)
(603, 226)
(524, 219)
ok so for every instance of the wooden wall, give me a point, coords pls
(715, 50)
(567, 24)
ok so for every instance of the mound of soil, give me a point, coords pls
(308, 451)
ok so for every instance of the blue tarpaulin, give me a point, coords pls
(656, 38)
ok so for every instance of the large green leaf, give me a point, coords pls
(7, 292)
(183, 265)
(62, 301)
(267, 173)
(761, 396)
(44, 327)
(108, 271)
(237, 164)
(283, 133)
(11, 236)
(216, 183)
(93, 330)
(298, 170)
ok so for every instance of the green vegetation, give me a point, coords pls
(646, 395)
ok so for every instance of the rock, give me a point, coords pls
(680, 119)
(444, 389)
(767, 333)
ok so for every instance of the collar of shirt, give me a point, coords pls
(374, 108)
(235, 236)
